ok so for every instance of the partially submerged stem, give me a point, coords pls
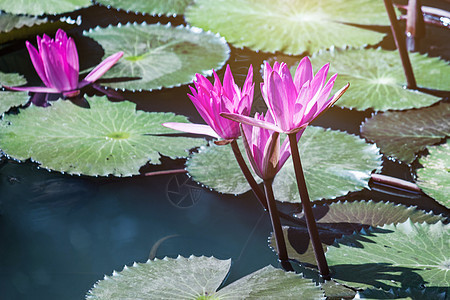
(166, 172)
(307, 210)
(276, 225)
(396, 182)
(400, 43)
(248, 175)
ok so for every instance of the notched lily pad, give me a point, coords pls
(37, 8)
(157, 56)
(402, 134)
(109, 138)
(407, 255)
(151, 7)
(330, 171)
(291, 27)
(377, 79)
(434, 177)
(405, 294)
(199, 278)
(344, 218)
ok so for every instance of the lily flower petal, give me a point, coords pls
(251, 121)
(192, 128)
(101, 69)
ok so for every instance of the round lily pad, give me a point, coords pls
(199, 278)
(334, 163)
(341, 218)
(434, 177)
(37, 8)
(108, 138)
(151, 7)
(407, 255)
(157, 56)
(402, 134)
(12, 99)
(292, 27)
(377, 79)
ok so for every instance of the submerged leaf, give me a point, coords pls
(199, 278)
(402, 134)
(407, 255)
(37, 8)
(434, 177)
(151, 7)
(108, 138)
(292, 27)
(329, 171)
(157, 56)
(377, 79)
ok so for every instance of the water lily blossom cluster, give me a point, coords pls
(295, 102)
(56, 63)
(212, 99)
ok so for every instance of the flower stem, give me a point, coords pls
(307, 210)
(248, 175)
(400, 43)
(396, 182)
(276, 225)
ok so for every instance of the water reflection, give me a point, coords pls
(60, 234)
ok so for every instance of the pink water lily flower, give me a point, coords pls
(263, 148)
(212, 99)
(295, 102)
(56, 63)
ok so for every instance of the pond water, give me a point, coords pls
(59, 234)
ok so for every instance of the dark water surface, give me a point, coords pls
(59, 234)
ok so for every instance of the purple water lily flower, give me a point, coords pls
(263, 148)
(211, 100)
(56, 63)
(295, 102)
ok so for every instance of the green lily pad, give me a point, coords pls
(12, 99)
(410, 294)
(402, 134)
(109, 138)
(151, 7)
(16, 27)
(344, 218)
(407, 255)
(330, 171)
(334, 164)
(434, 177)
(37, 8)
(377, 79)
(291, 27)
(199, 278)
(158, 55)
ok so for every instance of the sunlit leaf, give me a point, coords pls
(292, 27)
(36, 8)
(199, 278)
(11, 99)
(377, 79)
(340, 218)
(151, 7)
(334, 163)
(407, 255)
(434, 177)
(109, 138)
(402, 134)
(157, 56)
